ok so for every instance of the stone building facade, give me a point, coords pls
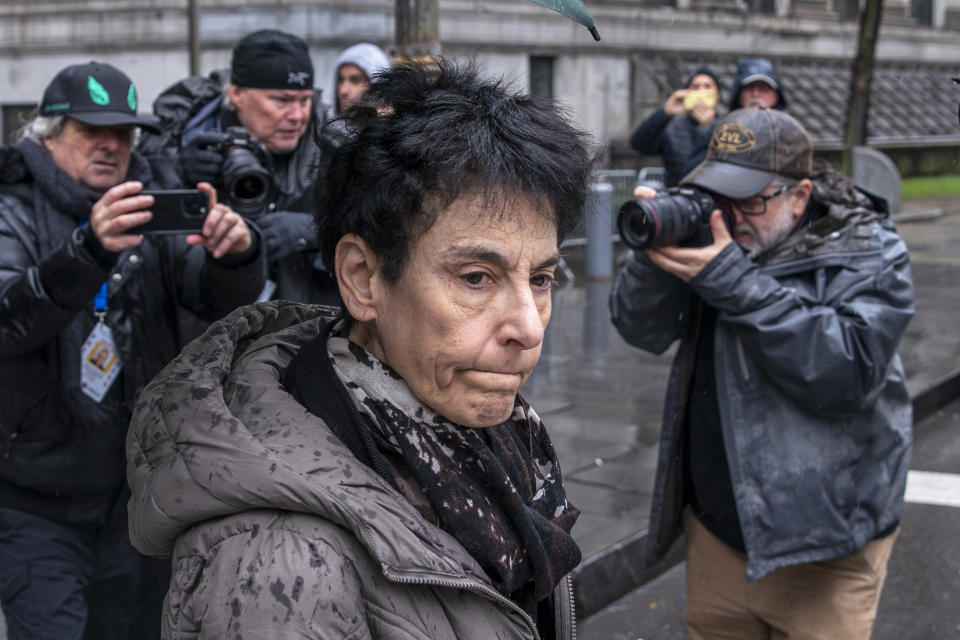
(647, 47)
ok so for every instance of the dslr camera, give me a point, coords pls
(247, 179)
(679, 215)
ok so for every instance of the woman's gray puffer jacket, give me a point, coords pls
(276, 530)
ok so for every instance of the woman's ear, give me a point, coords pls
(358, 272)
(800, 198)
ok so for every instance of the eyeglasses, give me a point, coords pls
(756, 205)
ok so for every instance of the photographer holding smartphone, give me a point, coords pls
(682, 127)
(88, 318)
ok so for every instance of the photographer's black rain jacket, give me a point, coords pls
(192, 106)
(61, 453)
(813, 403)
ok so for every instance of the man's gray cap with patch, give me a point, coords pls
(751, 147)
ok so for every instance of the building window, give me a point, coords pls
(761, 6)
(541, 76)
(922, 12)
(13, 117)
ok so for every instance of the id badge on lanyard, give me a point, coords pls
(99, 361)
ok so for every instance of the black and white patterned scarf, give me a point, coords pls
(497, 490)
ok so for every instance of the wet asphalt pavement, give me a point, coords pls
(923, 580)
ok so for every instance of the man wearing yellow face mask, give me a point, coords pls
(680, 130)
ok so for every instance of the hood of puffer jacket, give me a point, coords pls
(368, 57)
(215, 434)
(839, 220)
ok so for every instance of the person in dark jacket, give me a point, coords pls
(268, 93)
(681, 128)
(87, 319)
(787, 422)
(756, 84)
(372, 472)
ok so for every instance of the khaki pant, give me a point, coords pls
(836, 599)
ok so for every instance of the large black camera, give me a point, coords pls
(680, 215)
(247, 179)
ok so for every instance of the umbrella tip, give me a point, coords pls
(595, 33)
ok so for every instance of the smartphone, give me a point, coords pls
(175, 211)
(705, 96)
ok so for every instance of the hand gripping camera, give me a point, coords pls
(247, 179)
(680, 215)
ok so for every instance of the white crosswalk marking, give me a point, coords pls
(932, 487)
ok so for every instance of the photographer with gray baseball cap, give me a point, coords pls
(787, 427)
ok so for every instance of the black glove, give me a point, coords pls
(287, 232)
(199, 162)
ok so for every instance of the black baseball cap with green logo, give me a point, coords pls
(751, 147)
(95, 93)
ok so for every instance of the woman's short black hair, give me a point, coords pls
(423, 135)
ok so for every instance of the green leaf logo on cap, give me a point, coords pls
(132, 98)
(98, 94)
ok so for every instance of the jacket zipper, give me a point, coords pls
(742, 358)
(573, 609)
(477, 587)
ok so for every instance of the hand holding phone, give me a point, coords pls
(707, 96)
(193, 213)
(175, 211)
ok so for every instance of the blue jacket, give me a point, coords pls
(813, 403)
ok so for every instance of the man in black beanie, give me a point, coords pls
(271, 88)
(270, 95)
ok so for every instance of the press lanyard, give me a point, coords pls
(100, 303)
(99, 300)
(100, 363)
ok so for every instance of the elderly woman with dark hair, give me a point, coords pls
(371, 472)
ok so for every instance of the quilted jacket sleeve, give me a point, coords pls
(38, 298)
(648, 136)
(267, 583)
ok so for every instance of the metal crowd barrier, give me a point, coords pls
(621, 183)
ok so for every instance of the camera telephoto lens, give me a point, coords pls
(670, 218)
(249, 185)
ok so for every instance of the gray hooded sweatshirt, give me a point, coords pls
(368, 57)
